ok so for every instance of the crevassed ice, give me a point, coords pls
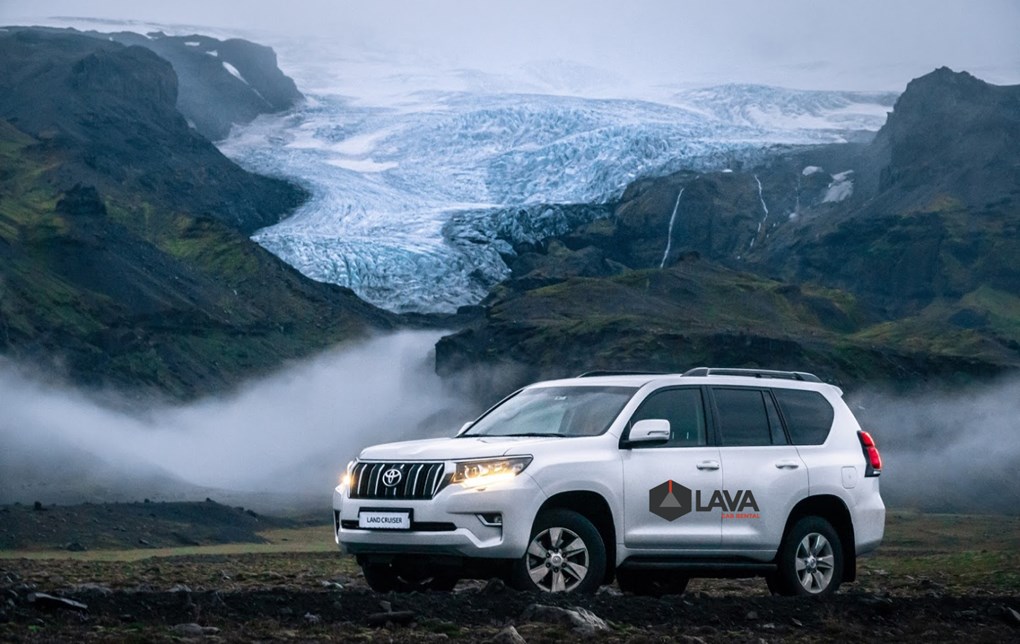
(413, 207)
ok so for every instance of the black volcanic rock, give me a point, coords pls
(951, 133)
(210, 95)
(81, 200)
(944, 219)
(111, 112)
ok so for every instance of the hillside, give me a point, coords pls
(906, 249)
(123, 232)
(220, 83)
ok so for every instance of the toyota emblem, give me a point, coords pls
(391, 477)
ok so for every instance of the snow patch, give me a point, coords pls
(192, 43)
(810, 170)
(841, 187)
(213, 53)
(233, 72)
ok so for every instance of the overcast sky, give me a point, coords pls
(867, 44)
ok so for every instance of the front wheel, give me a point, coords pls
(810, 560)
(566, 554)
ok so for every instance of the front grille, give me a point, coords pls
(417, 480)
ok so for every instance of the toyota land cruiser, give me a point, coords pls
(649, 479)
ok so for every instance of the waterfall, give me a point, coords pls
(761, 224)
(669, 234)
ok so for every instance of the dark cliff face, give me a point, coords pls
(124, 249)
(943, 220)
(953, 133)
(211, 96)
(111, 112)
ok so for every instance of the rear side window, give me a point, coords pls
(808, 415)
(743, 419)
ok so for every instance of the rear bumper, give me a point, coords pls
(869, 523)
(448, 524)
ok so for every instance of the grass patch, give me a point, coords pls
(317, 538)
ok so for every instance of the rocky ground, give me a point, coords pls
(938, 578)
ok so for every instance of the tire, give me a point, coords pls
(565, 554)
(810, 560)
(383, 578)
(651, 583)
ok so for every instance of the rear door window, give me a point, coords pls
(743, 419)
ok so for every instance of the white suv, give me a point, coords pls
(649, 478)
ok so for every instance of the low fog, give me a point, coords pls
(948, 449)
(282, 441)
(288, 435)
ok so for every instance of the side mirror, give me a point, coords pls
(652, 430)
(464, 427)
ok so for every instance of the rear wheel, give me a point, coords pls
(565, 554)
(652, 583)
(810, 560)
(386, 577)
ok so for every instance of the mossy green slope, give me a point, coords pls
(698, 313)
(136, 284)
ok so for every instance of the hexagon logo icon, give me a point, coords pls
(669, 500)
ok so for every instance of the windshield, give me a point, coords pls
(554, 411)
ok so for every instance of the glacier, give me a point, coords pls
(415, 202)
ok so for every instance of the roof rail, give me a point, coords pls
(593, 374)
(754, 373)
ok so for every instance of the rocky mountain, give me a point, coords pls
(220, 83)
(124, 250)
(906, 246)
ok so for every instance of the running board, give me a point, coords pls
(702, 567)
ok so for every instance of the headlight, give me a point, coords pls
(348, 476)
(489, 471)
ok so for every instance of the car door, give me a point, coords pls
(763, 475)
(662, 481)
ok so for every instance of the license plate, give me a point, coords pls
(384, 520)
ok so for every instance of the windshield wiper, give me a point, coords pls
(550, 434)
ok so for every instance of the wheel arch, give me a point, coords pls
(834, 510)
(594, 507)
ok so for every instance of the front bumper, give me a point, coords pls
(448, 524)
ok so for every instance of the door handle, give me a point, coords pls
(787, 465)
(708, 465)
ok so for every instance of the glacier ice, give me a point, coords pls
(415, 205)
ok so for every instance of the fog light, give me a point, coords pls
(491, 519)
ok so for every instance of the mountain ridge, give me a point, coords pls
(124, 233)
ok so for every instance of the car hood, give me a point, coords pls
(449, 449)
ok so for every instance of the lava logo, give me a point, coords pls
(670, 500)
(391, 477)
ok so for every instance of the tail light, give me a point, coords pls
(871, 454)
